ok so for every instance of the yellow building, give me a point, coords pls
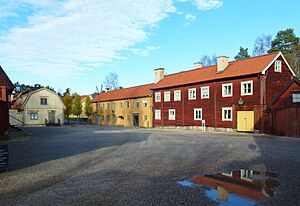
(126, 107)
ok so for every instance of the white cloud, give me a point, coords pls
(208, 4)
(190, 17)
(144, 52)
(63, 38)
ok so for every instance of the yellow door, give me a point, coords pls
(245, 121)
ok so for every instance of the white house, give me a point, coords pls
(39, 106)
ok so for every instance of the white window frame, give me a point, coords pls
(157, 114)
(195, 113)
(177, 95)
(113, 105)
(145, 103)
(242, 88)
(172, 117)
(120, 105)
(137, 104)
(157, 97)
(167, 96)
(127, 104)
(194, 90)
(203, 94)
(34, 116)
(278, 66)
(223, 90)
(223, 113)
(296, 98)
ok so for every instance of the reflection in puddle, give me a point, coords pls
(241, 187)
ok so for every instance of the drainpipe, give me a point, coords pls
(182, 97)
(215, 104)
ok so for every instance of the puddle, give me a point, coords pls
(240, 187)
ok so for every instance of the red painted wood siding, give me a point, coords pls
(4, 111)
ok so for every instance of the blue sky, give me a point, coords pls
(75, 43)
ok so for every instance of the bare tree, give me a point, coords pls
(208, 60)
(262, 45)
(111, 81)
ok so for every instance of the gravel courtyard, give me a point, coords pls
(91, 165)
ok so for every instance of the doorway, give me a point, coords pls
(245, 121)
(136, 119)
(51, 116)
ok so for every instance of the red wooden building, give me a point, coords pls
(230, 95)
(6, 88)
(285, 111)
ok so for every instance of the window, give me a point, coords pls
(108, 105)
(277, 66)
(145, 103)
(102, 106)
(127, 104)
(120, 105)
(137, 104)
(227, 90)
(226, 113)
(296, 98)
(177, 95)
(157, 114)
(113, 105)
(198, 114)
(246, 88)
(192, 94)
(205, 92)
(167, 96)
(172, 114)
(44, 101)
(33, 116)
(157, 97)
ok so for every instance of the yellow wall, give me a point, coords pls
(113, 116)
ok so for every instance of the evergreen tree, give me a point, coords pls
(77, 106)
(243, 53)
(88, 110)
(67, 99)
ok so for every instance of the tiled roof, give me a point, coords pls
(242, 67)
(126, 93)
(4, 80)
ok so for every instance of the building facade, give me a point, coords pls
(38, 107)
(230, 95)
(6, 87)
(128, 107)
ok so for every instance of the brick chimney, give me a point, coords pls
(222, 63)
(159, 74)
(198, 65)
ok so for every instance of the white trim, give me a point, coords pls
(165, 99)
(227, 84)
(179, 99)
(195, 110)
(192, 89)
(278, 66)
(269, 65)
(172, 117)
(157, 114)
(223, 116)
(202, 88)
(156, 94)
(242, 89)
(296, 98)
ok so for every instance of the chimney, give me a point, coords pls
(222, 63)
(198, 65)
(159, 74)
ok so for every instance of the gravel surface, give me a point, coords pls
(91, 165)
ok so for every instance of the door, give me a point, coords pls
(136, 120)
(51, 117)
(245, 121)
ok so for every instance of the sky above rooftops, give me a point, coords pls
(75, 43)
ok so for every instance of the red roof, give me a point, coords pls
(126, 93)
(4, 80)
(241, 67)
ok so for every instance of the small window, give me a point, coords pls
(172, 114)
(127, 104)
(192, 94)
(177, 95)
(108, 105)
(102, 106)
(33, 116)
(226, 113)
(167, 96)
(157, 114)
(198, 114)
(145, 103)
(296, 98)
(113, 105)
(277, 66)
(205, 92)
(247, 88)
(157, 97)
(120, 105)
(44, 101)
(137, 104)
(227, 90)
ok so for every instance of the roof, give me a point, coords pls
(4, 80)
(126, 93)
(243, 67)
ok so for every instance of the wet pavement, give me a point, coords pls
(91, 165)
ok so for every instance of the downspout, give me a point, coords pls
(182, 96)
(215, 104)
